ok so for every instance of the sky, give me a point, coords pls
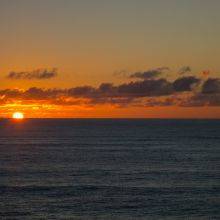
(118, 58)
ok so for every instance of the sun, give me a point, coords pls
(18, 115)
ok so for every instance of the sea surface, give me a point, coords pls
(109, 169)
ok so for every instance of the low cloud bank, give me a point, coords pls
(149, 89)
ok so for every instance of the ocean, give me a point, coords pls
(119, 169)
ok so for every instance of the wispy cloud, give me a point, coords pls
(184, 69)
(149, 74)
(38, 74)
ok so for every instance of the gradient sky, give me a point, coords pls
(92, 41)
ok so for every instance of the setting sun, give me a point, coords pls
(18, 115)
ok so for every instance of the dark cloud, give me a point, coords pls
(137, 89)
(200, 99)
(184, 70)
(35, 74)
(149, 74)
(9, 93)
(184, 91)
(42, 94)
(31, 94)
(185, 83)
(82, 91)
(211, 86)
(154, 87)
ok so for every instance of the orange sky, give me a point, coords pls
(94, 42)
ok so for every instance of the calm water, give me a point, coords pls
(110, 169)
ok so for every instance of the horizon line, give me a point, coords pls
(128, 118)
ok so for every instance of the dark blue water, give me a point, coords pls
(110, 169)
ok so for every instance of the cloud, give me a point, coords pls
(146, 88)
(41, 94)
(184, 70)
(205, 73)
(152, 102)
(185, 83)
(82, 91)
(211, 86)
(137, 89)
(122, 73)
(35, 74)
(184, 91)
(149, 74)
(200, 99)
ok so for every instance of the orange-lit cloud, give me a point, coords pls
(148, 90)
(123, 94)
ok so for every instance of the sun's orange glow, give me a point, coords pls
(18, 115)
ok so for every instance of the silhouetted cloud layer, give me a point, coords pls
(35, 74)
(150, 91)
(156, 92)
